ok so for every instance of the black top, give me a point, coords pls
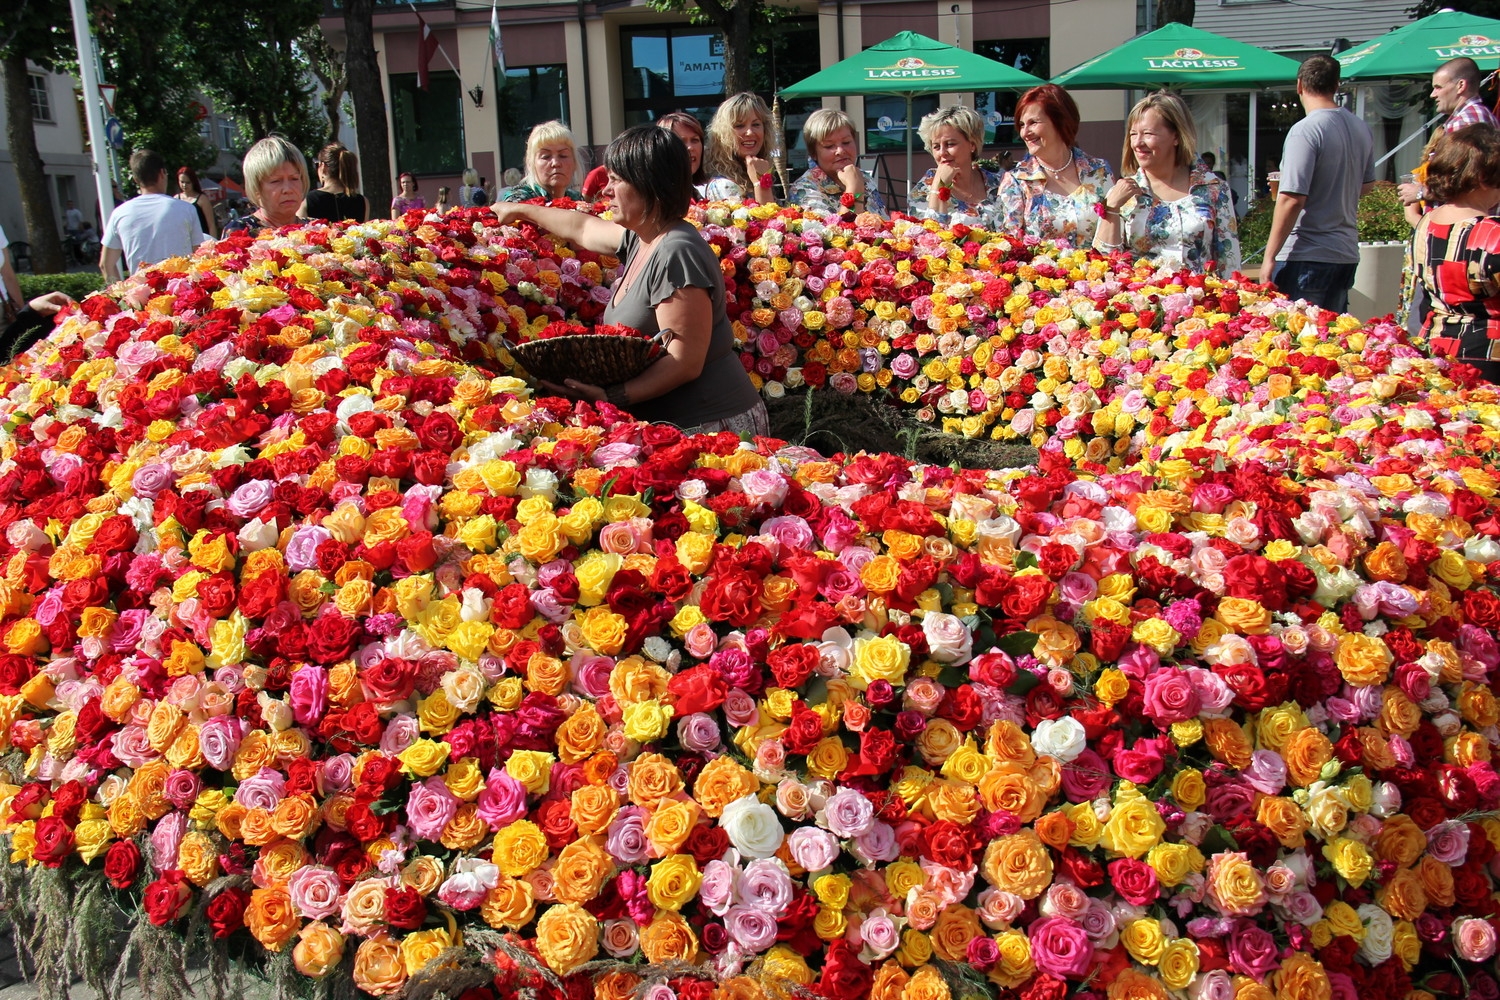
(335, 207)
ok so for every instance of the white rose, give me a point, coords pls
(1061, 738)
(948, 638)
(753, 827)
(1379, 933)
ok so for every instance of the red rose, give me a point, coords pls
(363, 823)
(706, 843)
(332, 638)
(259, 595)
(877, 751)
(733, 597)
(804, 730)
(216, 595)
(950, 844)
(1135, 881)
(1026, 596)
(167, 898)
(1080, 868)
(54, 841)
(556, 823)
(388, 680)
(121, 863)
(1482, 608)
(429, 467)
(701, 689)
(512, 607)
(440, 432)
(226, 912)
(116, 534)
(844, 975)
(405, 908)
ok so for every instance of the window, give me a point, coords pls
(1030, 55)
(429, 124)
(41, 102)
(228, 133)
(886, 124)
(671, 68)
(527, 96)
(206, 129)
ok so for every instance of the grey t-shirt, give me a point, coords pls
(683, 259)
(1328, 156)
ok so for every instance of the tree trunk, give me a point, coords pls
(327, 64)
(363, 75)
(31, 175)
(737, 48)
(1181, 11)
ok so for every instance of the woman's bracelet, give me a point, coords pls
(849, 199)
(617, 395)
(944, 192)
(763, 181)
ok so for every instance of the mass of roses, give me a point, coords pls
(302, 586)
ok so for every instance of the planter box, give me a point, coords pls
(1377, 283)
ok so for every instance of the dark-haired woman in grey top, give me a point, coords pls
(669, 279)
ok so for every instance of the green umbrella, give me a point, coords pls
(909, 65)
(1419, 48)
(1178, 56)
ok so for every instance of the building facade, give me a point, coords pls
(603, 66)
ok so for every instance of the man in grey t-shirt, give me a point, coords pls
(1327, 163)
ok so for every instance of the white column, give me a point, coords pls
(1252, 161)
(84, 39)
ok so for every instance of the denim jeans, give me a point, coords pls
(1322, 284)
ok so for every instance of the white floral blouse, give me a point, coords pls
(983, 215)
(816, 190)
(1027, 206)
(1198, 231)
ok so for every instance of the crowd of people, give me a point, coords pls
(1167, 203)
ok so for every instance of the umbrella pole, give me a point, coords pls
(1250, 164)
(908, 152)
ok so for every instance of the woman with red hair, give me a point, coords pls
(1055, 192)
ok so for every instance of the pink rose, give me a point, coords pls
(315, 891)
(429, 807)
(1474, 938)
(751, 928)
(1170, 697)
(1061, 948)
(308, 696)
(503, 800)
(812, 848)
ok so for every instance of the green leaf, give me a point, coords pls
(1018, 643)
(1026, 560)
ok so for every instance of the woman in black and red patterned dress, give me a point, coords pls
(1456, 249)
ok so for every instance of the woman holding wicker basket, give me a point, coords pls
(669, 280)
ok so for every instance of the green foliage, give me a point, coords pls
(1483, 8)
(75, 286)
(1380, 220)
(40, 28)
(247, 58)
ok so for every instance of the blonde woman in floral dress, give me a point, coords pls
(1167, 207)
(958, 189)
(834, 183)
(1057, 191)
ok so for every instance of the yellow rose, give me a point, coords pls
(91, 838)
(883, 658)
(1144, 940)
(520, 848)
(1014, 966)
(424, 757)
(1189, 789)
(1111, 686)
(532, 768)
(1178, 963)
(1350, 859)
(318, 951)
(1364, 660)
(1134, 826)
(674, 881)
(647, 721)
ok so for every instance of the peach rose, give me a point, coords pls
(1018, 863)
(567, 935)
(318, 951)
(378, 968)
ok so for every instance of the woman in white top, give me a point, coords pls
(1166, 206)
(739, 142)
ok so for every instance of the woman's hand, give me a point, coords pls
(1124, 189)
(50, 304)
(852, 179)
(574, 389)
(944, 174)
(510, 212)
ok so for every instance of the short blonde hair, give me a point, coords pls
(822, 124)
(966, 120)
(546, 134)
(263, 159)
(721, 158)
(1178, 118)
(471, 177)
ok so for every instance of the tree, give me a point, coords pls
(35, 30)
(327, 65)
(1483, 8)
(1168, 11)
(741, 23)
(369, 101)
(148, 57)
(248, 57)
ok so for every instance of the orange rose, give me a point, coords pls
(594, 808)
(670, 823)
(1018, 863)
(618, 985)
(1305, 753)
(653, 778)
(1005, 788)
(1234, 884)
(1400, 841)
(1301, 977)
(956, 926)
(567, 935)
(271, 917)
(581, 870)
(378, 968)
(1364, 660)
(1227, 742)
(1006, 741)
(1055, 829)
(581, 734)
(1402, 896)
(509, 905)
(890, 982)
(721, 782)
(295, 816)
(465, 830)
(1437, 881)
(1398, 716)
(1386, 562)
(1133, 985)
(741, 988)
(318, 951)
(1284, 818)
(668, 938)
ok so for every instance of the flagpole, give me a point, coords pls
(444, 51)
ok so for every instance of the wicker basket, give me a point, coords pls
(590, 358)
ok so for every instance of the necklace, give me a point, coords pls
(1055, 171)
